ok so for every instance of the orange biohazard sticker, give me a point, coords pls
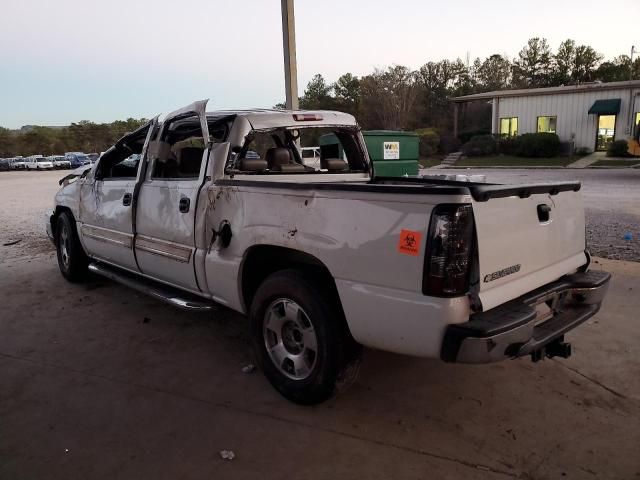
(409, 242)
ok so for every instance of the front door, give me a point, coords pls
(107, 199)
(165, 214)
(606, 131)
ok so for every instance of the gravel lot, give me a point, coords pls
(99, 382)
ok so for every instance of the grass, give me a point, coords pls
(616, 163)
(426, 162)
(513, 161)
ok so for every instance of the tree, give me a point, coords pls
(618, 70)
(38, 140)
(464, 82)
(317, 95)
(585, 63)
(563, 62)
(83, 136)
(438, 81)
(347, 93)
(389, 98)
(533, 65)
(7, 143)
(494, 73)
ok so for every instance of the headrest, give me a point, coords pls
(333, 164)
(253, 165)
(278, 156)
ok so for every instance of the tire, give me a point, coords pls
(300, 338)
(72, 260)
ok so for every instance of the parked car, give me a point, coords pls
(17, 163)
(93, 157)
(4, 164)
(77, 159)
(325, 260)
(38, 162)
(60, 161)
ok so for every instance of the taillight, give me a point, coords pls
(449, 248)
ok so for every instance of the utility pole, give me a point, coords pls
(289, 44)
(633, 50)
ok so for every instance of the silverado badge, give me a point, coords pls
(501, 273)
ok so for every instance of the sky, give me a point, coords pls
(64, 61)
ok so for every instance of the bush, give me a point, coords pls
(429, 141)
(448, 144)
(537, 145)
(480, 145)
(467, 135)
(619, 148)
(582, 151)
(507, 145)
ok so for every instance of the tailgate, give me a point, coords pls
(520, 249)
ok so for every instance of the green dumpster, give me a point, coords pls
(393, 153)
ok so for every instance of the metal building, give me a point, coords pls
(589, 115)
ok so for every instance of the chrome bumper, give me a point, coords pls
(515, 329)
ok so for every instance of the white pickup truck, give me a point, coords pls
(219, 207)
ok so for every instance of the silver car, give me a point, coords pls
(59, 161)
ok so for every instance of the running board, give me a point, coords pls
(170, 295)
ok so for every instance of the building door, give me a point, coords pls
(606, 131)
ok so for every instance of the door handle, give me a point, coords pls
(184, 204)
(126, 200)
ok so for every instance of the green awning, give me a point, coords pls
(605, 107)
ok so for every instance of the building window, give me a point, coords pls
(547, 124)
(509, 126)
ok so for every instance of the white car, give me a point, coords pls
(326, 260)
(38, 162)
(17, 163)
(59, 161)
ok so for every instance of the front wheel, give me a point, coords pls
(72, 260)
(299, 337)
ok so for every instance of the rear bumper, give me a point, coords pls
(513, 329)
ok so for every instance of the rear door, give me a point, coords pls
(165, 213)
(524, 243)
(106, 209)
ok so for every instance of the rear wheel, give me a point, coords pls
(299, 336)
(72, 260)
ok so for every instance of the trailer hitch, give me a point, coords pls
(557, 348)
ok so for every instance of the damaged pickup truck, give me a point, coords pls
(210, 208)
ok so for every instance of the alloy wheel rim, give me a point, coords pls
(290, 339)
(64, 246)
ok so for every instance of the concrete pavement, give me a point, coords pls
(97, 381)
(587, 160)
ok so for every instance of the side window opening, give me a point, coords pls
(122, 160)
(178, 153)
